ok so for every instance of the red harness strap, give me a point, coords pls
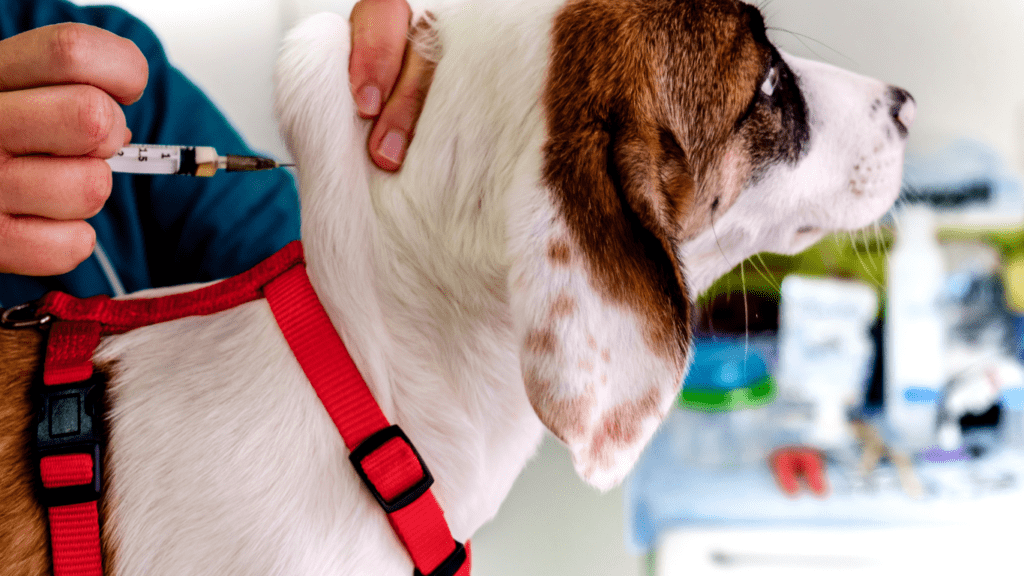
(68, 441)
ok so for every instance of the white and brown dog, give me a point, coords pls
(582, 170)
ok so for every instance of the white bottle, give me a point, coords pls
(915, 334)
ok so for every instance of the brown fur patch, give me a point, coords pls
(642, 100)
(24, 545)
(541, 342)
(108, 531)
(559, 253)
(563, 306)
(567, 418)
(623, 424)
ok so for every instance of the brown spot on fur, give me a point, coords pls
(563, 306)
(600, 453)
(591, 342)
(24, 546)
(606, 355)
(559, 252)
(623, 424)
(568, 418)
(541, 342)
(586, 365)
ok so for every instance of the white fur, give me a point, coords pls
(222, 459)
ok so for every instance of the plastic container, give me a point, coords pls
(915, 333)
(721, 419)
(826, 356)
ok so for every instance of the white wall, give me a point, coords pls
(963, 60)
(228, 48)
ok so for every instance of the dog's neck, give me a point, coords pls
(416, 278)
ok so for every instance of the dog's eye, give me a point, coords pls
(770, 81)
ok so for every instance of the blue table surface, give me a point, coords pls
(664, 492)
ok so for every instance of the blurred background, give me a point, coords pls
(877, 377)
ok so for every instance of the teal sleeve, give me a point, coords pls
(165, 230)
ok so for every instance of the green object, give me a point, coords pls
(860, 256)
(726, 376)
(725, 400)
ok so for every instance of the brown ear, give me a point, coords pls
(598, 297)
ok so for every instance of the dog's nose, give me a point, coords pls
(903, 109)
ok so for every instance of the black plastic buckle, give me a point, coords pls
(370, 445)
(451, 564)
(68, 421)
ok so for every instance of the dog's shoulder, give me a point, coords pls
(23, 543)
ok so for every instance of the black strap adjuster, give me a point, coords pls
(68, 421)
(370, 445)
(451, 564)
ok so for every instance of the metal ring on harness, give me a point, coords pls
(16, 317)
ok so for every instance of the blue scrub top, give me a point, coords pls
(164, 230)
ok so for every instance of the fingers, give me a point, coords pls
(60, 90)
(74, 54)
(54, 188)
(34, 246)
(379, 36)
(70, 120)
(42, 210)
(389, 80)
(396, 125)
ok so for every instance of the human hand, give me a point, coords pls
(389, 79)
(60, 87)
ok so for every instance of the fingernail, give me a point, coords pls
(368, 100)
(392, 146)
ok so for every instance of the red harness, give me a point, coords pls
(68, 442)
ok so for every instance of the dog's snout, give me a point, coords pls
(903, 109)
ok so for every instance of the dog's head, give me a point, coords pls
(679, 142)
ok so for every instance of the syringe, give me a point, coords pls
(189, 160)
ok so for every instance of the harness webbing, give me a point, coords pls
(68, 441)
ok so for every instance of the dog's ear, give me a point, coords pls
(598, 297)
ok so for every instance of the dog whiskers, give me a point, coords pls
(766, 273)
(800, 38)
(717, 240)
(883, 246)
(864, 264)
(746, 319)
